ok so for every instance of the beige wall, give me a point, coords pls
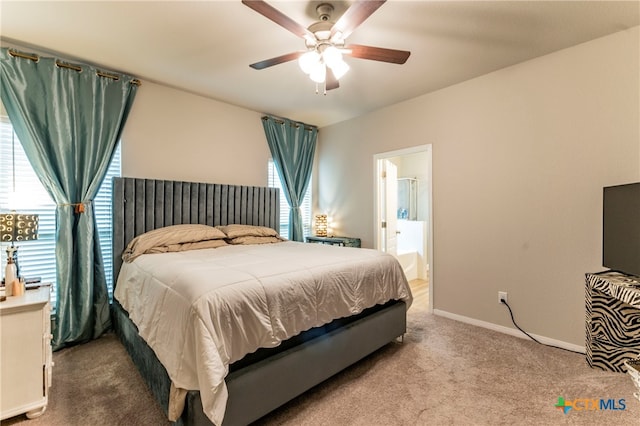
(520, 157)
(171, 134)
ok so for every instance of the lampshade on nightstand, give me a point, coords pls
(321, 225)
(16, 227)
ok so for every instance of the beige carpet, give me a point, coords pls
(445, 373)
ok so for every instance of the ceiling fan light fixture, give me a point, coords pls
(309, 61)
(339, 69)
(331, 56)
(319, 73)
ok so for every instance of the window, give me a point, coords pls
(20, 189)
(274, 182)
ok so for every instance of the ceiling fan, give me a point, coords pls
(325, 41)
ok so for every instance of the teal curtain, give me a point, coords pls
(292, 145)
(69, 123)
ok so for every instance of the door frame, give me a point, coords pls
(377, 179)
(389, 232)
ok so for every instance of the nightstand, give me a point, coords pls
(613, 313)
(25, 353)
(336, 241)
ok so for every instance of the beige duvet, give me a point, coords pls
(202, 310)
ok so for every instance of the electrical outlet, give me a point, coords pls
(502, 297)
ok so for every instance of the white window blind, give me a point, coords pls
(21, 190)
(274, 182)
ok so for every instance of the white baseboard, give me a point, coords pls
(510, 331)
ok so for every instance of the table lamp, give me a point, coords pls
(321, 225)
(15, 227)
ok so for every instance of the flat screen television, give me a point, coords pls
(621, 228)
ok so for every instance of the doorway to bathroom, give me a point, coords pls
(403, 218)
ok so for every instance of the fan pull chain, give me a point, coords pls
(324, 91)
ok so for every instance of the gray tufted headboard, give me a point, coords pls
(141, 205)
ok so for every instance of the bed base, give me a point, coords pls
(259, 388)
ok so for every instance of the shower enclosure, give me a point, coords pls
(408, 198)
(411, 231)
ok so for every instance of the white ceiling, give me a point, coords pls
(205, 47)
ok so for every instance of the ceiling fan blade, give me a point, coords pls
(278, 17)
(377, 53)
(275, 61)
(354, 16)
(331, 81)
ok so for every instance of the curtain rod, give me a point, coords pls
(60, 64)
(306, 126)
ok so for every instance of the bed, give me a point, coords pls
(270, 376)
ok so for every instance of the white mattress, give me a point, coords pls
(204, 309)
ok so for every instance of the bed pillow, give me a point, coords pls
(250, 239)
(235, 231)
(169, 236)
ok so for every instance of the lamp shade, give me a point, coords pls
(319, 73)
(18, 227)
(339, 69)
(321, 225)
(331, 56)
(309, 61)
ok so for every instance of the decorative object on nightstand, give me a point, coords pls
(336, 241)
(10, 276)
(321, 225)
(25, 350)
(16, 227)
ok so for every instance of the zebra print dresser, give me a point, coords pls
(612, 319)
